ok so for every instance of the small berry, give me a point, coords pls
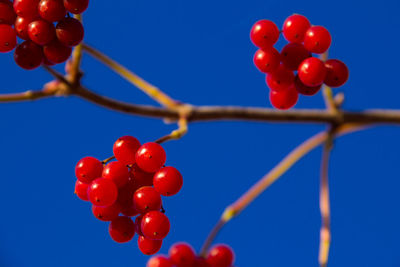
(102, 192)
(146, 198)
(138, 225)
(337, 73)
(150, 157)
(52, 10)
(8, 38)
(182, 255)
(117, 172)
(26, 8)
(201, 262)
(88, 169)
(41, 32)
(159, 261)
(107, 213)
(140, 177)
(280, 79)
(168, 181)
(21, 27)
(264, 34)
(81, 190)
(7, 14)
(76, 6)
(148, 246)
(295, 27)
(317, 39)
(284, 99)
(267, 60)
(155, 225)
(293, 54)
(28, 55)
(312, 71)
(121, 229)
(56, 52)
(304, 89)
(69, 32)
(220, 256)
(125, 149)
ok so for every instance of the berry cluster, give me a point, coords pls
(131, 186)
(304, 39)
(183, 255)
(48, 31)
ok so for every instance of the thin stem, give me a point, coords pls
(107, 160)
(26, 96)
(175, 134)
(146, 87)
(74, 73)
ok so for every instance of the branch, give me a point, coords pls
(26, 96)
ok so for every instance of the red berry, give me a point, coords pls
(70, 31)
(146, 198)
(125, 196)
(125, 149)
(312, 71)
(317, 39)
(41, 32)
(267, 60)
(150, 157)
(117, 172)
(264, 33)
(148, 246)
(220, 256)
(52, 10)
(304, 89)
(76, 6)
(159, 261)
(182, 255)
(21, 27)
(284, 99)
(280, 79)
(108, 213)
(337, 73)
(81, 190)
(56, 52)
(88, 169)
(201, 262)
(26, 8)
(102, 192)
(155, 225)
(121, 229)
(168, 181)
(295, 27)
(293, 54)
(138, 225)
(140, 177)
(8, 38)
(28, 55)
(7, 14)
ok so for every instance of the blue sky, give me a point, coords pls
(200, 53)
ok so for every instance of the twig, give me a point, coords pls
(26, 96)
(74, 73)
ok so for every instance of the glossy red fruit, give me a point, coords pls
(28, 55)
(76, 6)
(155, 225)
(117, 172)
(21, 27)
(41, 32)
(146, 199)
(102, 192)
(148, 246)
(220, 256)
(280, 79)
(267, 60)
(337, 73)
(284, 99)
(182, 255)
(304, 89)
(56, 52)
(81, 190)
(138, 225)
(107, 213)
(125, 149)
(293, 54)
(125, 199)
(317, 39)
(201, 262)
(264, 34)
(70, 32)
(88, 169)
(52, 10)
(121, 229)
(159, 261)
(168, 181)
(312, 71)
(295, 27)
(150, 157)
(26, 8)
(8, 38)
(7, 14)
(140, 177)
